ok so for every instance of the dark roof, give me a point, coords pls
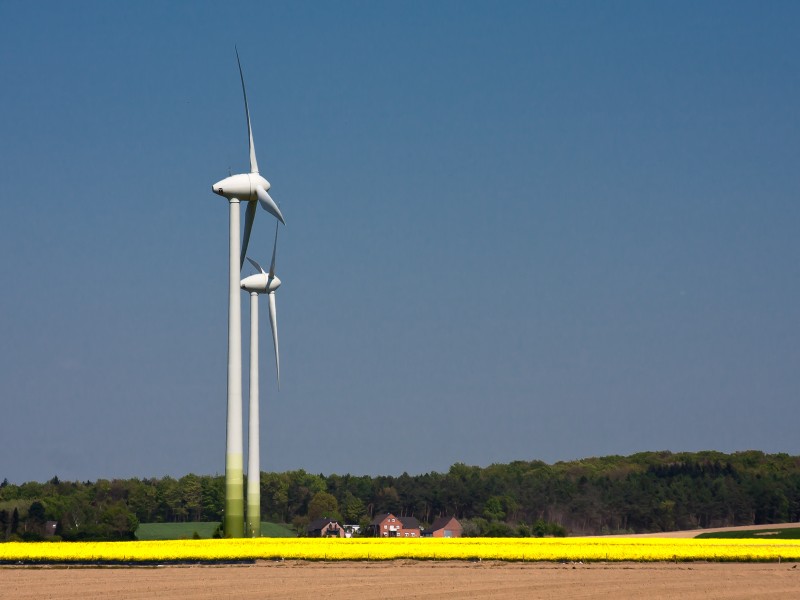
(379, 518)
(318, 524)
(409, 522)
(406, 522)
(440, 523)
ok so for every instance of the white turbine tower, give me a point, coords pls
(251, 188)
(260, 283)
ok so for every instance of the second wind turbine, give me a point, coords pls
(260, 283)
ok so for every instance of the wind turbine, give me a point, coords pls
(252, 188)
(260, 283)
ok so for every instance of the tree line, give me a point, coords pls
(645, 492)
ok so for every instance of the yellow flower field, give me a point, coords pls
(510, 549)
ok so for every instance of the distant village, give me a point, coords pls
(389, 526)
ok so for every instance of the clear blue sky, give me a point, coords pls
(515, 231)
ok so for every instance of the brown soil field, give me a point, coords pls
(406, 579)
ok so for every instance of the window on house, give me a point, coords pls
(385, 526)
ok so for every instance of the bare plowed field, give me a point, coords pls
(406, 579)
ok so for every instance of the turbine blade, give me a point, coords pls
(249, 217)
(273, 323)
(253, 162)
(274, 250)
(268, 204)
(256, 265)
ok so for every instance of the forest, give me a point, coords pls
(644, 492)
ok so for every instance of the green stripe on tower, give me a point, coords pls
(234, 496)
(253, 517)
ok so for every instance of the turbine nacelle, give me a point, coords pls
(260, 283)
(248, 187)
(242, 187)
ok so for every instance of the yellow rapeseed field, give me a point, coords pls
(513, 549)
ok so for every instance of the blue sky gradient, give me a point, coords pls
(514, 231)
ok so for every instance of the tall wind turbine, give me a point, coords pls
(260, 283)
(251, 188)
